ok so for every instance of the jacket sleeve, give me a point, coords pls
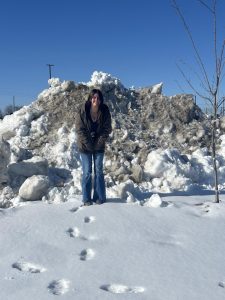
(105, 130)
(83, 135)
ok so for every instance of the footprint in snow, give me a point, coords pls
(121, 289)
(75, 209)
(75, 233)
(90, 219)
(59, 287)
(207, 210)
(28, 267)
(168, 240)
(9, 278)
(87, 254)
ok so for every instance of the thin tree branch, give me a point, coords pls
(200, 62)
(180, 86)
(221, 102)
(215, 48)
(215, 35)
(203, 3)
(204, 86)
(221, 59)
(192, 87)
(222, 78)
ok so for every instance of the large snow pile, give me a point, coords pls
(158, 144)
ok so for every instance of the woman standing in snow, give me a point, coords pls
(93, 126)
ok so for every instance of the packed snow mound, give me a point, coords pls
(157, 88)
(56, 86)
(101, 78)
(170, 170)
(154, 201)
(18, 123)
(34, 187)
(158, 143)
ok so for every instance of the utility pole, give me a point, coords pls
(50, 70)
(223, 108)
(14, 106)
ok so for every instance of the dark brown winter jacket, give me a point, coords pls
(86, 142)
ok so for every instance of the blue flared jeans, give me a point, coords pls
(99, 182)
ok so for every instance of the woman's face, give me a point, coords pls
(95, 101)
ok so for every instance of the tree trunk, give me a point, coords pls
(214, 127)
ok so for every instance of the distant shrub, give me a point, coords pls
(10, 109)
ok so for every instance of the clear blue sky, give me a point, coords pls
(137, 41)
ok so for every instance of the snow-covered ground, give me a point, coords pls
(171, 250)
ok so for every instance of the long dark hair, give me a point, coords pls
(99, 93)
